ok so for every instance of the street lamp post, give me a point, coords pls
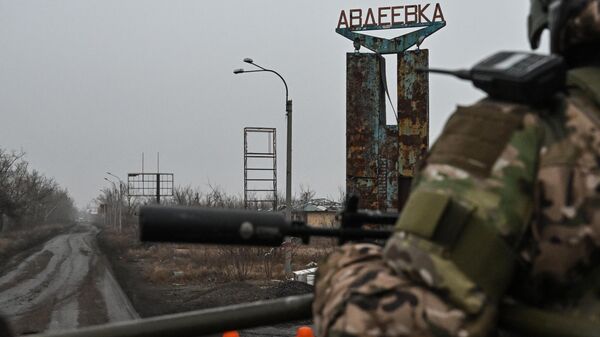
(288, 110)
(288, 169)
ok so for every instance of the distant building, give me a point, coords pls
(318, 213)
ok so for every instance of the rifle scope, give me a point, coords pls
(240, 227)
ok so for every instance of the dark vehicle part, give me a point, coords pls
(203, 322)
(513, 317)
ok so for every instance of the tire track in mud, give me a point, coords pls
(35, 265)
(65, 284)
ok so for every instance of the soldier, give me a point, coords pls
(505, 206)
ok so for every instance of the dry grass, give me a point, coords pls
(199, 264)
(15, 241)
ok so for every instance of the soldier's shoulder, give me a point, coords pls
(475, 136)
(500, 109)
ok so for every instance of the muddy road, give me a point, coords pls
(62, 284)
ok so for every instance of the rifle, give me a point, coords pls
(235, 227)
(241, 227)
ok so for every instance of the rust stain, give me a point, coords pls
(382, 159)
(413, 115)
(372, 146)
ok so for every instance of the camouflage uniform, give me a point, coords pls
(507, 202)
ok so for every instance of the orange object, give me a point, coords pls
(231, 334)
(304, 331)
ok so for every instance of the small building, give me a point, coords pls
(318, 213)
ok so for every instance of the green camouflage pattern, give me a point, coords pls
(502, 199)
(565, 236)
(357, 294)
(416, 267)
(425, 263)
(541, 197)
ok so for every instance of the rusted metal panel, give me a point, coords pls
(364, 101)
(413, 116)
(391, 46)
(372, 146)
(390, 152)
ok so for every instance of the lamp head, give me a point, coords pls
(248, 60)
(238, 71)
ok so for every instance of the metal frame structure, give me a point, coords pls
(288, 113)
(150, 185)
(269, 157)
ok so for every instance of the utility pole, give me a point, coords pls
(288, 169)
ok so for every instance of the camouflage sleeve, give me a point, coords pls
(453, 255)
(564, 247)
(357, 294)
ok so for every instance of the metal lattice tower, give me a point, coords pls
(260, 169)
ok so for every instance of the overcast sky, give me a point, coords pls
(87, 86)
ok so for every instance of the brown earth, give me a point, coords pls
(164, 279)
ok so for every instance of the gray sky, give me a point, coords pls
(87, 86)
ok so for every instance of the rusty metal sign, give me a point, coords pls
(382, 159)
(372, 146)
(428, 17)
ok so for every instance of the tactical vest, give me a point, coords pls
(475, 252)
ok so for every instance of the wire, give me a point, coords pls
(391, 104)
(383, 77)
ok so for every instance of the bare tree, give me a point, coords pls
(306, 194)
(187, 196)
(28, 196)
(341, 195)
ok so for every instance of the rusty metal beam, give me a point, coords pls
(372, 146)
(413, 117)
(364, 102)
(389, 152)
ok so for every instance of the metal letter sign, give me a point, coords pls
(382, 159)
(393, 17)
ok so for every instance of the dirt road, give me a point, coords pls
(64, 283)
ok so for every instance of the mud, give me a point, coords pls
(62, 284)
(153, 299)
